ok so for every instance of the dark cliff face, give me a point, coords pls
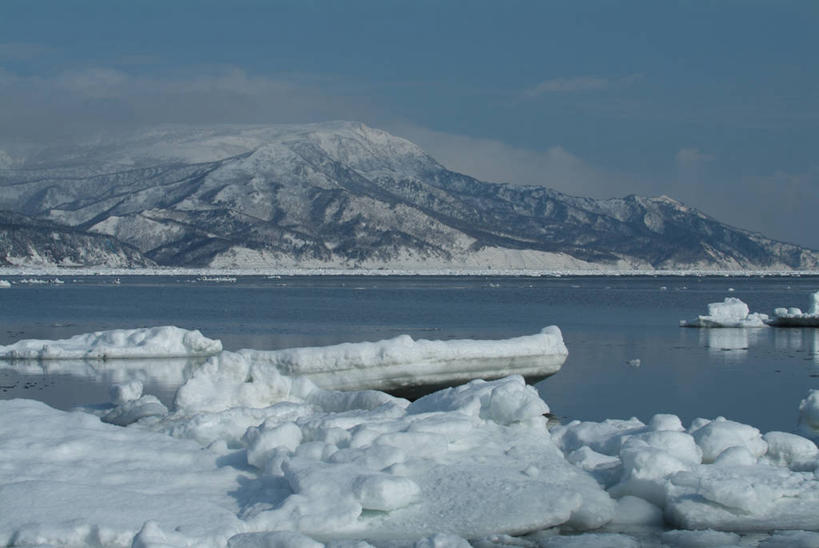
(337, 194)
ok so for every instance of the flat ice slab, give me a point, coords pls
(731, 312)
(153, 342)
(404, 362)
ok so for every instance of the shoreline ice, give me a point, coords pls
(330, 271)
(249, 455)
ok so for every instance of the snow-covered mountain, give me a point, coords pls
(346, 195)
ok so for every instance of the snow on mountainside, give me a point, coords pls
(345, 195)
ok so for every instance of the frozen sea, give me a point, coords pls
(609, 324)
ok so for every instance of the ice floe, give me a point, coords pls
(251, 454)
(731, 312)
(402, 361)
(153, 342)
(794, 317)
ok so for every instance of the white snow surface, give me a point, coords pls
(401, 361)
(153, 342)
(732, 312)
(249, 455)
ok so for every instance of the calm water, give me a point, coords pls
(754, 376)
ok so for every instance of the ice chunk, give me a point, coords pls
(131, 411)
(809, 414)
(504, 401)
(385, 492)
(69, 479)
(720, 434)
(632, 511)
(125, 392)
(275, 539)
(5, 284)
(591, 540)
(732, 312)
(794, 317)
(791, 539)
(402, 361)
(699, 539)
(790, 450)
(154, 342)
(751, 498)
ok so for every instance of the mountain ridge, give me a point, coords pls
(341, 194)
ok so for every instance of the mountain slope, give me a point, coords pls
(26, 241)
(343, 194)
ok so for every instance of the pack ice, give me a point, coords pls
(250, 455)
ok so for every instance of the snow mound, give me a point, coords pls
(468, 463)
(732, 312)
(402, 361)
(794, 317)
(153, 342)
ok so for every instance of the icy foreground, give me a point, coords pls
(249, 455)
(732, 312)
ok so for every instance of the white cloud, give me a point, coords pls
(580, 84)
(568, 85)
(492, 160)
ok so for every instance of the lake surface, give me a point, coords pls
(756, 376)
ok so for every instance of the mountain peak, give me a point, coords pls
(344, 194)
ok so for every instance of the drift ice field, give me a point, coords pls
(202, 440)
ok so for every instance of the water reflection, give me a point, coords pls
(68, 383)
(730, 342)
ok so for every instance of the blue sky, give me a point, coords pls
(715, 103)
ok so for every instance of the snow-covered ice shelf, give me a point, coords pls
(403, 362)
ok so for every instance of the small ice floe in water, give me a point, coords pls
(635, 362)
(153, 342)
(732, 312)
(794, 317)
(5, 284)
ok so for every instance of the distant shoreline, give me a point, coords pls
(389, 272)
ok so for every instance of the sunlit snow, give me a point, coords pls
(250, 454)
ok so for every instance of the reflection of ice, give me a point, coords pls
(729, 342)
(787, 339)
(168, 373)
(814, 349)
